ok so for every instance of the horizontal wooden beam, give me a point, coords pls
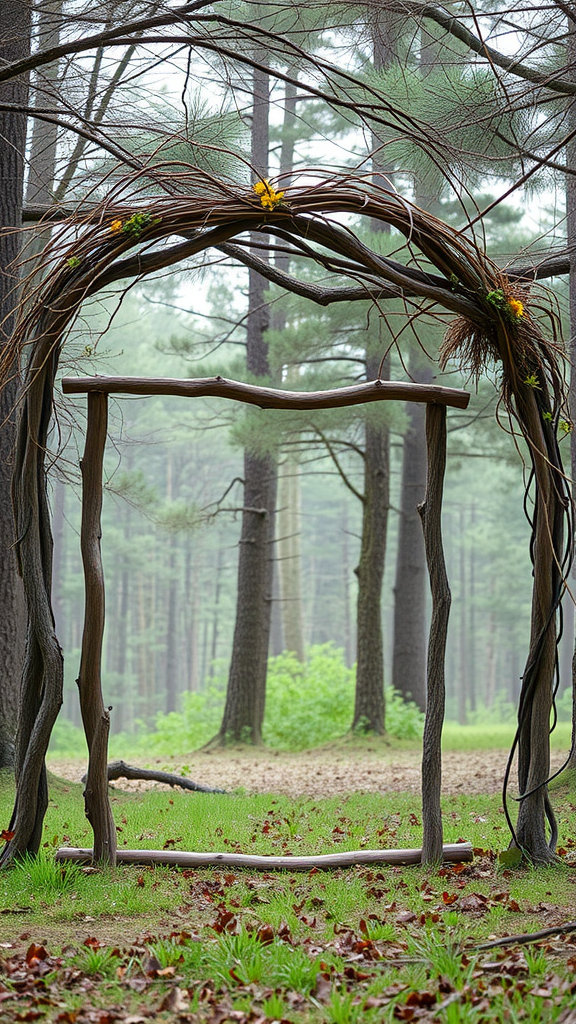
(454, 852)
(269, 398)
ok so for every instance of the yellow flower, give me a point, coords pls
(267, 194)
(516, 307)
(116, 226)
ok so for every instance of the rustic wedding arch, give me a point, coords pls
(95, 716)
(496, 323)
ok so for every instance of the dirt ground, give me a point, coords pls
(326, 772)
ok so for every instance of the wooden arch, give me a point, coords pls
(494, 324)
(95, 716)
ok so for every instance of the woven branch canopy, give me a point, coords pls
(494, 322)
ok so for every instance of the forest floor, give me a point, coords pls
(371, 944)
(374, 767)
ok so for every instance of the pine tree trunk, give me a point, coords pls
(369, 704)
(410, 589)
(289, 557)
(347, 635)
(369, 699)
(411, 584)
(244, 710)
(192, 613)
(14, 44)
(245, 696)
(171, 687)
(288, 562)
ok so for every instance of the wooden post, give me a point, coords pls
(431, 514)
(95, 716)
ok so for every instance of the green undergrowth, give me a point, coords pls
(68, 741)
(369, 943)
(308, 704)
(496, 736)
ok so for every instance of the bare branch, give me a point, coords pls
(511, 64)
(106, 38)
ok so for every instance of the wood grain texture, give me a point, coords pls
(95, 716)
(269, 398)
(453, 852)
(431, 513)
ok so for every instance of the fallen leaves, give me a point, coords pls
(35, 954)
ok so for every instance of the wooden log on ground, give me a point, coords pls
(121, 770)
(453, 852)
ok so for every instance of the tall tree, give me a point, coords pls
(288, 550)
(246, 691)
(369, 691)
(411, 582)
(15, 28)
(369, 705)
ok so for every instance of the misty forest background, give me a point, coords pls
(171, 523)
(173, 500)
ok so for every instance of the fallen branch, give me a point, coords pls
(121, 770)
(454, 852)
(520, 940)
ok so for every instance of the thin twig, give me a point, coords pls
(521, 940)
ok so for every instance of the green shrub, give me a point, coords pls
(67, 740)
(404, 720)
(180, 731)
(501, 712)
(307, 704)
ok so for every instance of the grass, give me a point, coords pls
(365, 944)
(68, 741)
(496, 736)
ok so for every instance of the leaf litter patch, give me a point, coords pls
(409, 964)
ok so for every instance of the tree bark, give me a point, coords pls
(246, 692)
(369, 695)
(535, 702)
(455, 853)
(244, 708)
(409, 651)
(123, 716)
(271, 398)
(431, 513)
(288, 562)
(369, 704)
(121, 770)
(410, 588)
(462, 628)
(570, 187)
(15, 27)
(289, 557)
(95, 716)
(171, 687)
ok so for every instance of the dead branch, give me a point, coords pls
(521, 940)
(121, 770)
(453, 852)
